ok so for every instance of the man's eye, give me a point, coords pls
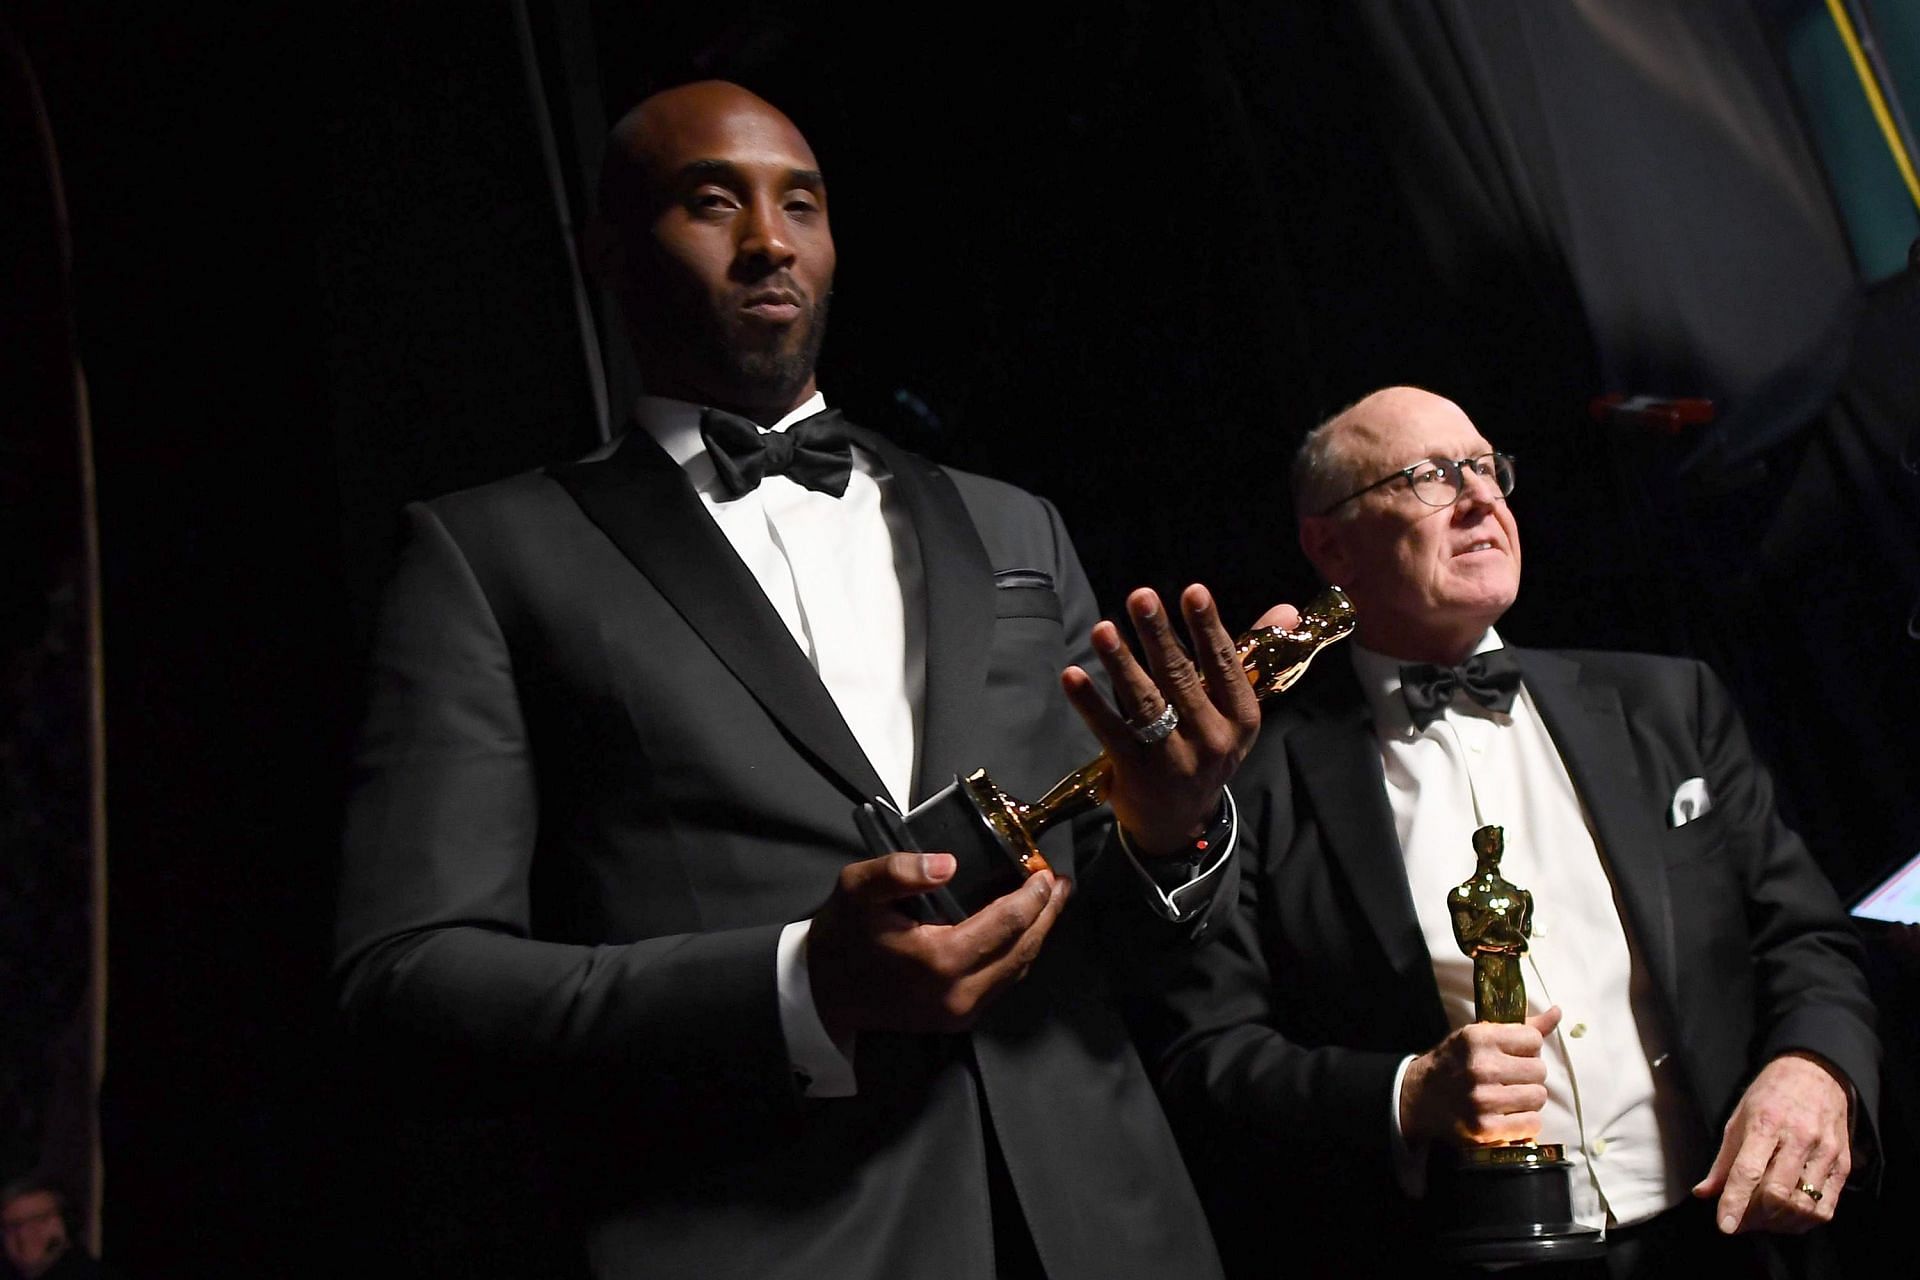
(1482, 467)
(1430, 475)
(710, 201)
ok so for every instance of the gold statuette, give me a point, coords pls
(1506, 1202)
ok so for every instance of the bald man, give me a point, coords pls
(623, 710)
(1699, 1033)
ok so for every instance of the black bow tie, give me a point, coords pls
(1490, 679)
(813, 452)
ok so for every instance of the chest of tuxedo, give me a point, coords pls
(691, 771)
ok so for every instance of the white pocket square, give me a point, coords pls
(1689, 802)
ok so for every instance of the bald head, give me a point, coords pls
(713, 234)
(637, 170)
(1336, 457)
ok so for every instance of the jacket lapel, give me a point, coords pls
(958, 622)
(641, 500)
(1339, 764)
(1589, 726)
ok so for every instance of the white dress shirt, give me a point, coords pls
(1613, 1098)
(845, 575)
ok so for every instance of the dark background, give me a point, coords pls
(1123, 257)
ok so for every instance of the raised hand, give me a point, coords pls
(1166, 790)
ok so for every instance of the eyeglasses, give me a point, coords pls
(1439, 482)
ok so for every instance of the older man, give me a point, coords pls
(1690, 972)
(602, 835)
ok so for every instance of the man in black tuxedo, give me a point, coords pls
(1691, 974)
(601, 834)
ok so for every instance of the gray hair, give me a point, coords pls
(1321, 474)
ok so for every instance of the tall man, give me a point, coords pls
(1690, 978)
(602, 833)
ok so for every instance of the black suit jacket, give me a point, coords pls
(1277, 1045)
(598, 777)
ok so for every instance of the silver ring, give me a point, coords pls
(1158, 729)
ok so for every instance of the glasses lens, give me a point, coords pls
(1435, 483)
(1502, 469)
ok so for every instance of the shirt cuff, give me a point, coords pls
(822, 1067)
(1197, 875)
(1409, 1162)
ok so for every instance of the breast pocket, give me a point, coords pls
(1025, 600)
(1693, 842)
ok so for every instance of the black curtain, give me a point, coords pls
(1123, 256)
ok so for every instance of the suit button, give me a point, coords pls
(1577, 1030)
(1599, 1147)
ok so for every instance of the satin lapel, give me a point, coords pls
(1339, 765)
(1589, 726)
(641, 500)
(958, 618)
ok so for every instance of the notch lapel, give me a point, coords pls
(641, 500)
(958, 615)
(1589, 725)
(1339, 766)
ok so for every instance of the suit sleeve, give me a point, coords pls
(1209, 1027)
(433, 942)
(1810, 992)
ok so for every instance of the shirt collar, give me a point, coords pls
(1379, 677)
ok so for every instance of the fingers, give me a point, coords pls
(1788, 1134)
(1748, 1167)
(876, 881)
(1219, 663)
(1005, 937)
(1101, 720)
(1484, 1083)
(1000, 943)
(1283, 616)
(1544, 1023)
(1139, 695)
(1710, 1186)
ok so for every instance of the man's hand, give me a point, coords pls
(1790, 1127)
(1484, 1083)
(872, 967)
(1166, 793)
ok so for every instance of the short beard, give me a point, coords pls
(773, 374)
(735, 360)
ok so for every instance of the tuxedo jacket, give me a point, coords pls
(598, 777)
(1277, 1045)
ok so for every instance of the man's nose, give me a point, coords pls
(763, 235)
(1477, 488)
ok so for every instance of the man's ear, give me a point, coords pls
(1323, 542)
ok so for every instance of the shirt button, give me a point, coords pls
(1577, 1030)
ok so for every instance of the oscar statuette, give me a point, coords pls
(1509, 1201)
(995, 839)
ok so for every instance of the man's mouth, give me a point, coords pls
(774, 306)
(1482, 544)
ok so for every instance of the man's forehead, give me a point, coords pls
(677, 132)
(1396, 434)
